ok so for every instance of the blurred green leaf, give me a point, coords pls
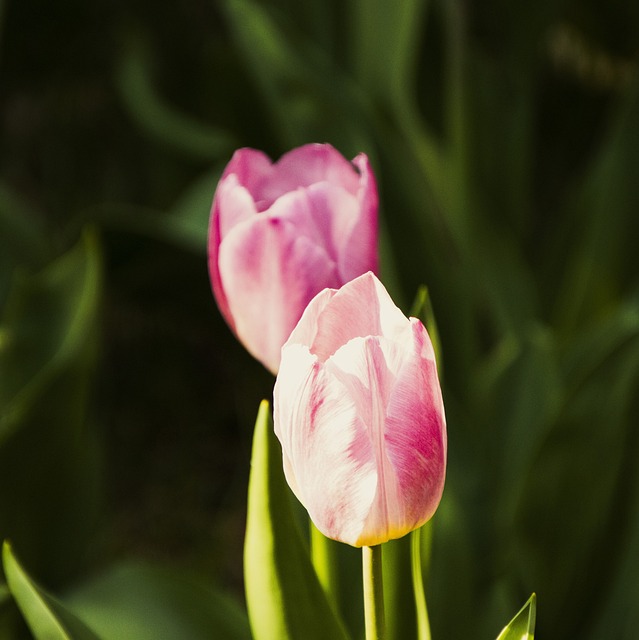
(22, 240)
(284, 597)
(193, 207)
(589, 454)
(505, 282)
(146, 602)
(48, 462)
(590, 348)
(617, 612)
(161, 121)
(453, 569)
(21, 227)
(423, 309)
(521, 388)
(47, 618)
(278, 69)
(601, 216)
(522, 626)
(185, 224)
(386, 71)
(399, 600)
(46, 324)
(309, 98)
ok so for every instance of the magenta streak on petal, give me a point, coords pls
(378, 398)
(214, 270)
(327, 453)
(361, 367)
(416, 432)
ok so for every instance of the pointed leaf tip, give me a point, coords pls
(45, 616)
(522, 626)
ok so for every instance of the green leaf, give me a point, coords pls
(423, 309)
(591, 454)
(22, 240)
(21, 227)
(307, 96)
(387, 71)
(522, 626)
(601, 215)
(520, 388)
(45, 616)
(193, 207)
(47, 322)
(284, 597)
(185, 224)
(146, 602)
(401, 616)
(454, 566)
(279, 70)
(160, 120)
(49, 468)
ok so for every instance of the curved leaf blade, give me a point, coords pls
(284, 597)
(46, 617)
(522, 626)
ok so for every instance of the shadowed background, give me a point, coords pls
(505, 141)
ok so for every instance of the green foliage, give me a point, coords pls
(284, 597)
(522, 626)
(48, 460)
(46, 617)
(140, 600)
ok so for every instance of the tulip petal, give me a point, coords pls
(362, 367)
(360, 416)
(416, 430)
(362, 307)
(328, 457)
(252, 168)
(309, 164)
(326, 210)
(234, 204)
(360, 246)
(269, 272)
(324, 213)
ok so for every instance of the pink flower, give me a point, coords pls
(358, 410)
(280, 233)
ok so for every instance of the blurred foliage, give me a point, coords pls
(505, 138)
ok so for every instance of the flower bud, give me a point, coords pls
(359, 413)
(281, 232)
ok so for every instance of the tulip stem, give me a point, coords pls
(325, 563)
(373, 592)
(423, 624)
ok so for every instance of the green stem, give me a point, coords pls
(423, 624)
(373, 593)
(325, 563)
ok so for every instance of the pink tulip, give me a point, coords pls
(280, 233)
(359, 413)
